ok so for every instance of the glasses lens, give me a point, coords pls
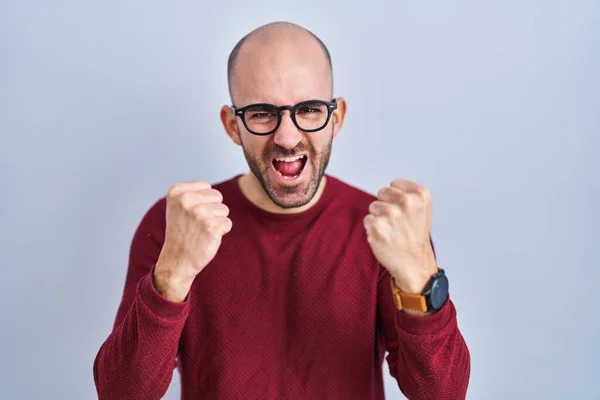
(311, 116)
(261, 119)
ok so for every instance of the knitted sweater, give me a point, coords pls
(293, 306)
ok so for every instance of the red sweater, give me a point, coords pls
(292, 307)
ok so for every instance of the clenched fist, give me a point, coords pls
(398, 227)
(196, 222)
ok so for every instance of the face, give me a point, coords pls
(289, 164)
(290, 184)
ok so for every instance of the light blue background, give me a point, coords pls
(493, 106)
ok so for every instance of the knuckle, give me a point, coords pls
(217, 227)
(200, 212)
(187, 200)
(203, 183)
(385, 209)
(393, 211)
(173, 190)
(209, 224)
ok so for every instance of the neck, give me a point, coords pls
(255, 193)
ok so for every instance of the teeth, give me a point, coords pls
(289, 159)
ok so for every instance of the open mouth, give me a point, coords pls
(290, 167)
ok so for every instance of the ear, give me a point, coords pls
(338, 115)
(229, 121)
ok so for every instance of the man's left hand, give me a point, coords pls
(398, 227)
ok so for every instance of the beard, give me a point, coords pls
(293, 195)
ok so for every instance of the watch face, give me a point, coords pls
(439, 292)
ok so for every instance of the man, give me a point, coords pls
(285, 282)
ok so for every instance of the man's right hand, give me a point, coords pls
(196, 222)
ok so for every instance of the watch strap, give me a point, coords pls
(409, 301)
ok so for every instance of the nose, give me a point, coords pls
(287, 135)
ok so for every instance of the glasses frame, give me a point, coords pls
(241, 112)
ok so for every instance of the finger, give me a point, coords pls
(406, 185)
(225, 225)
(368, 223)
(210, 210)
(179, 188)
(392, 195)
(213, 209)
(380, 208)
(210, 195)
(190, 200)
(376, 227)
(410, 187)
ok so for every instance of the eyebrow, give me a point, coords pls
(270, 101)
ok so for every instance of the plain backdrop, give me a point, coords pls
(493, 106)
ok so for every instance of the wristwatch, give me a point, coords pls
(432, 298)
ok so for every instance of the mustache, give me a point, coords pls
(279, 151)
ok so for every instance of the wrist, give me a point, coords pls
(415, 282)
(172, 284)
(430, 299)
(413, 273)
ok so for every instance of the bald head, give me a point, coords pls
(268, 44)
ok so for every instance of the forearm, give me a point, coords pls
(137, 359)
(432, 360)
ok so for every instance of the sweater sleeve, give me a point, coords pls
(137, 359)
(428, 355)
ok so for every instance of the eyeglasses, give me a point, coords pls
(263, 119)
